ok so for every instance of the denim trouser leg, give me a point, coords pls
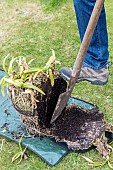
(97, 54)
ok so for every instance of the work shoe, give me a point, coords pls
(98, 77)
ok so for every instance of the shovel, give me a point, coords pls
(64, 97)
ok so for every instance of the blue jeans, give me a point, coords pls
(97, 54)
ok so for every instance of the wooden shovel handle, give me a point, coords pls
(87, 38)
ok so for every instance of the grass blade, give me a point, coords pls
(27, 85)
(22, 154)
(87, 159)
(3, 64)
(3, 84)
(13, 82)
(109, 164)
(51, 60)
(10, 69)
(95, 164)
(51, 77)
(32, 70)
(20, 141)
(31, 61)
(1, 148)
(16, 156)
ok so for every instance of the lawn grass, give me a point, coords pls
(32, 28)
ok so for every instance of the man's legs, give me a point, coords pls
(97, 54)
(96, 59)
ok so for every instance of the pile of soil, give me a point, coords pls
(79, 127)
(75, 126)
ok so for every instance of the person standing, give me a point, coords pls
(95, 65)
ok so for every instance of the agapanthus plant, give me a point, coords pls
(20, 74)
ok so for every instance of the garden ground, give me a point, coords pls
(31, 29)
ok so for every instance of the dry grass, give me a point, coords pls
(12, 18)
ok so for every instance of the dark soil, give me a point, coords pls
(76, 126)
(73, 121)
(7, 113)
(79, 127)
(48, 102)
